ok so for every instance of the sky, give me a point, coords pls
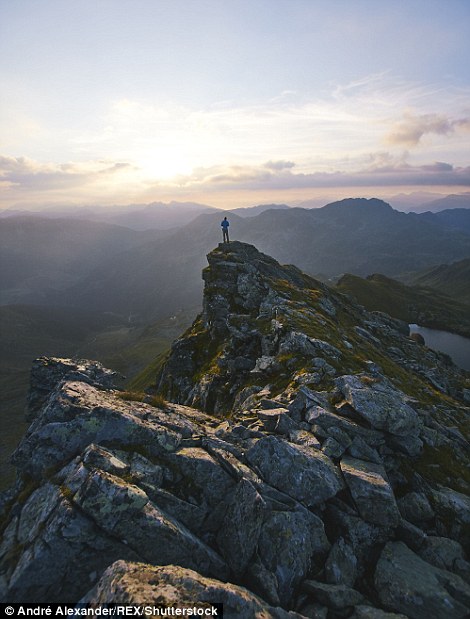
(232, 102)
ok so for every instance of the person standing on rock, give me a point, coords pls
(225, 226)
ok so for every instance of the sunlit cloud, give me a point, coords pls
(411, 128)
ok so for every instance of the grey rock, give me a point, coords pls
(124, 511)
(263, 582)
(332, 448)
(407, 584)
(415, 507)
(368, 612)
(341, 564)
(57, 564)
(136, 584)
(289, 544)
(78, 414)
(277, 420)
(441, 552)
(334, 596)
(299, 342)
(412, 535)
(305, 474)
(371, 491)
(47, 372)
(303, 437)
(200, 476)
(241, 527)
(411, 445)
(314, 611)
(360, 449)
(383, 406)
(453, 513)
(327, 420)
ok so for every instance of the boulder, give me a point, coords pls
(369, 612)
(441, 552)
(415, 507)
(370, 491)
(380, 404)
(336, 597)
(341, 564)
(303, 473)
(241, 526)
(407, 584)
(78, 414)
(137, 584)
(277, 420)
(289, 545)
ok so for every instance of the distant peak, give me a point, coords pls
(362, 203)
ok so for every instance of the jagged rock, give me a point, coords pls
(241, 527)
(441, 552)
(319, 416)
(407, 584)
(57, 563)
(201, 474)
(47, 372)
(263, 582)
(314, 611)
(453, 512)
(332, 448)
(277, 420)
(360, 449)
(139, 585)
(364, 537)
(300, 343)
(79, 414)
(368, 612)
(415, 507)
(289, 543)
(333, 596)
(125, 511)
(371, 491)
(304, 474)
(302, 437)
(341, 564)
(413, 536)
(383, 406)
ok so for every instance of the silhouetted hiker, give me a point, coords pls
(225, 226)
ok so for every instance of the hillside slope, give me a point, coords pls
(451, 279)
(413, 304)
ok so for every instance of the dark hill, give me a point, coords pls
(454, 219)
(413, 304)
(40, 257)
(451, 279)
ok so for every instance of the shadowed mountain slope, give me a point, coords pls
(413, 304)
(451, 279)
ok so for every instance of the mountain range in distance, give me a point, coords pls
(146, 275)
(165, 216)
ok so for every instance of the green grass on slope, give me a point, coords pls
(413, 304)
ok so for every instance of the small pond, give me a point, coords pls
(456, 346)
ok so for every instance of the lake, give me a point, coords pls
(456, 346)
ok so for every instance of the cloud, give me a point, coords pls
(25, 174)
(279, 165)
(381, 170)
(410, 129)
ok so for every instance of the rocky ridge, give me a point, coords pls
(310, 460)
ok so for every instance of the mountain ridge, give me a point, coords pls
(325, 467)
